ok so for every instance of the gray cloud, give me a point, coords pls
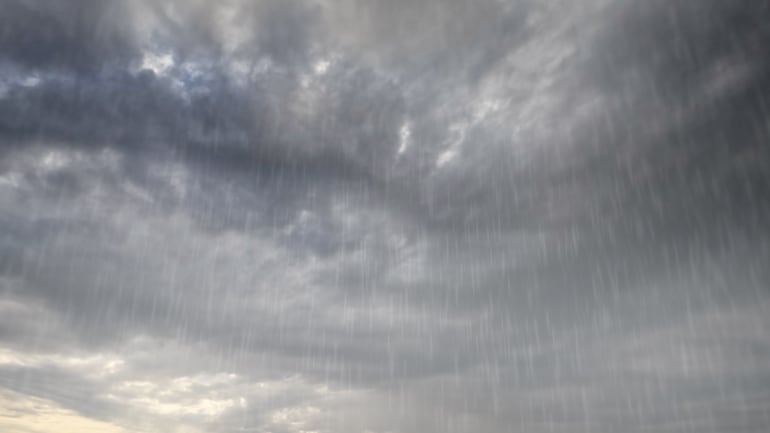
(377, 216)
(82, 36)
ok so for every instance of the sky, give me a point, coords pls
(371, 216)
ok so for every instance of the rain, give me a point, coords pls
(371, 216)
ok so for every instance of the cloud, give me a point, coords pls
(387, 217)
(81, 36)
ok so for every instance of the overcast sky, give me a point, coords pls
(385, 216)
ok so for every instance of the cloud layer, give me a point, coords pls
(384, 216)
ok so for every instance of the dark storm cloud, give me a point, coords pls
(669, 122)
(495, 214)
(81, 35)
